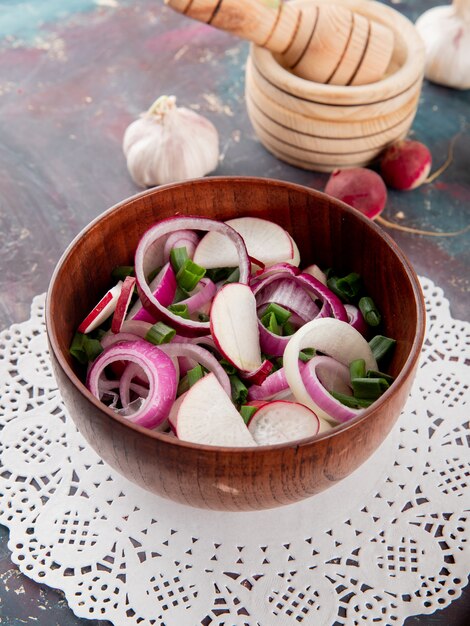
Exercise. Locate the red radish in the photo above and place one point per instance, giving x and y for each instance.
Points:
(359, 187)
(104, 309)
(259, 375)
(123, 304)
(405, 165)
(282, 422)
(234, 326)
(207, 416)
(265, 241)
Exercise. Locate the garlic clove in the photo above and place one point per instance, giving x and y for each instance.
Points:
(169, 144)
(445, 31)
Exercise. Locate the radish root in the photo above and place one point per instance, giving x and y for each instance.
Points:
(417, 231)
(450, 157)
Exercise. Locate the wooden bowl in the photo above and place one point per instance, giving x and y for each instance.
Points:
(328, 233)
(324, 126)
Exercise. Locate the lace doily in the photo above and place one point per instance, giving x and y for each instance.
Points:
(385, 543)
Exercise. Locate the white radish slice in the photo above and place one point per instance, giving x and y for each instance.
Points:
(282, 422)
(295, 254)
(122, 305)
(332, 337)
(234, 326)
(207, 416)
(104, 309)
(265, 241)
(316, 272)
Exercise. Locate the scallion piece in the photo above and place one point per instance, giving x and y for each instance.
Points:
(84, 348)
(228, 367)
(122, 271)
(369, 311)
(381, 346)
(288, 328)
(357, 369)
(239, 390)
(233, 277)
(369, 388)
(351, 401)
(160, 333)
(202, 317)
(179, 309)
(247, 412)
(374, 374)
(306, 354)
(350, 285)
(189, 275)
(220, 274)
(282, 314)
(269, 321)
(190, 378)
(180, 294)
(153, 274)
(178, 257)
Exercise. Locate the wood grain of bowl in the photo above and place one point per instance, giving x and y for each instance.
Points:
(328, 233)
(302, 121)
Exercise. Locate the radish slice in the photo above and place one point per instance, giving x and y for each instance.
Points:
(316, 272)
(104, 309)
(123, 304)
(257, 376)
(321, 375)
(332, 337)
(266, 241)
(234, 326)
(155, 237)
(282, 422)
(157, 367)
(207, 416)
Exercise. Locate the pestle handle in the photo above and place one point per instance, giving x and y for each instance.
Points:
(267, 23)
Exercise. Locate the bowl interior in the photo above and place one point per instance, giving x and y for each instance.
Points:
(327, 232)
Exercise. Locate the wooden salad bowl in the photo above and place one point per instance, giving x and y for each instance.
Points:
(329, 233)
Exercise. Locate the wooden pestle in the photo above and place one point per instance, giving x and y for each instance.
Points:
(324, 43)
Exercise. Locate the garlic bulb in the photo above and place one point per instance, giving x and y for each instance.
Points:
(445, 31)
(169, 143)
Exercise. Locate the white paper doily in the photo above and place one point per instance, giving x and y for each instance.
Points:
(385, 543)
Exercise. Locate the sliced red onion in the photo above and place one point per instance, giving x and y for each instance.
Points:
(272, 386)
(206, 290)
(132, 371)
(277, 268)
(316, 272)
(144, 256)
(258, 375)
(356, 319)
(158, 369)
(324, 294)
(271, 344)
(332, 337)
(200, 355)
(286, 292)
(163, 288)
(181, 239)
(136, 327)
(111, 339)
(323, 374)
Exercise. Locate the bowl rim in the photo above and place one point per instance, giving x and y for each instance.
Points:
(164, 438)
(404, 78)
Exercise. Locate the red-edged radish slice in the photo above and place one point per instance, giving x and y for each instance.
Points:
(148, 248)
(234, 326)
(282, 422)
(123, 304)
(316, 272)
(265, 241)
(332, 337)
(207, 416)
(104, 309)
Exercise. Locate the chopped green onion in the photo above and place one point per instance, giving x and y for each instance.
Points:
(247, 412)
(84, 348)
(229, 368)
(350, 285)
(122, 271)
(189, 275)
(160, 333)
(233, 277)
(219, 274)
(381, 346)
(306, 354)
(269, 321)
(288, 328)
(202, 317)
(351, 401)
(374, 374)
(239, 390)
(153, 274)
(191, 377)
(282, 314)
(178, 257)
(357, 369)
(332, 284)
(369, 311)
(369, 388)
(179, 309)
(180, 294)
